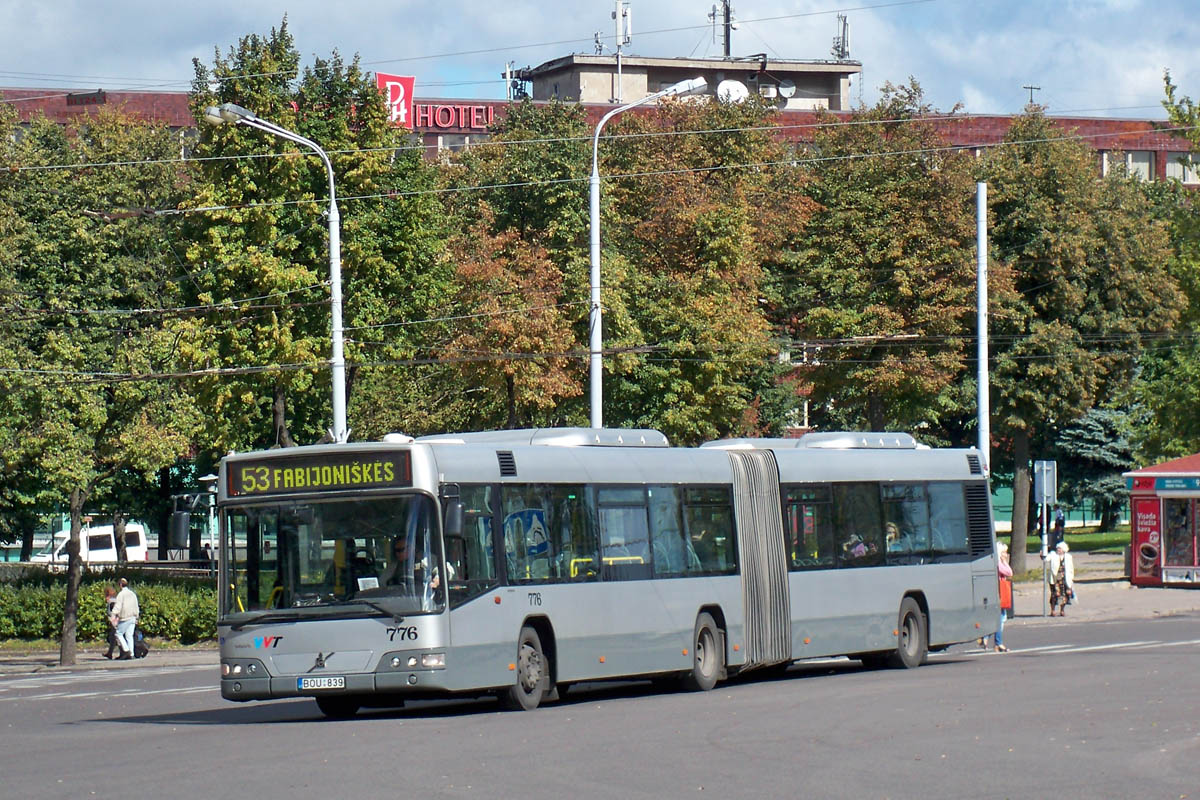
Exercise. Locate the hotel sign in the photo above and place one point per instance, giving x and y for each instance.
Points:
(397, 92)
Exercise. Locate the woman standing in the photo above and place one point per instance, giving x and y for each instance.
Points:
(1004, 575)
(1062, 578)
(110, 597)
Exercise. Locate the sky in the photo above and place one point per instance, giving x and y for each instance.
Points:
(1089, 57)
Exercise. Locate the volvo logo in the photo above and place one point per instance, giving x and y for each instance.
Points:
(320, 662)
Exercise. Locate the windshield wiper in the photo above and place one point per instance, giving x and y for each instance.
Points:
(381, 609)
(313, 612)
(271, 616)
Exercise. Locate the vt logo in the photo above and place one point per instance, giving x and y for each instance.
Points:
(261, 642)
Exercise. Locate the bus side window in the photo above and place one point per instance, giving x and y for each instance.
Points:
(906, 525)
(948, 521)
(708, 516)
(526, 537)
(572, 539)
(624, 533)
(671, 553)
(808, 526)
(858, 524)
(473, 558)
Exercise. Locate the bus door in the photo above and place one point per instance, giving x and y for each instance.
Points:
(763, 557)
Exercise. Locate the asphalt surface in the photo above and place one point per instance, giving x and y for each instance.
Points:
(1099, 704)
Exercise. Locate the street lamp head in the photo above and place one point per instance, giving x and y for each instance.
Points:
(228, 112)
(212, 115)
(690, 86)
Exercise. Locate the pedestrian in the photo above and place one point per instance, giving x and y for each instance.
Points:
(110, 597)
(1004, 575)
(1062, 577)
(125, 616)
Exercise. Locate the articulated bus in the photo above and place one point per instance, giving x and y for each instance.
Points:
(517, 563)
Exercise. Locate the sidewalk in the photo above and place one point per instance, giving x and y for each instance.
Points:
(1102, 592)
(47, 661)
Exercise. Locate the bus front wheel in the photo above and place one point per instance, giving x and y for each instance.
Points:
(533, 673)
(912, 640)
(708, 655)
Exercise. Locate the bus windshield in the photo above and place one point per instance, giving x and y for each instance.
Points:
(381, 554)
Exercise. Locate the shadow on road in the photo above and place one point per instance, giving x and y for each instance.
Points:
(304, 710)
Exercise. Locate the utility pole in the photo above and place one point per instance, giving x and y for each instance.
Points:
(623, 21)
(725, 14)
(1032, 89)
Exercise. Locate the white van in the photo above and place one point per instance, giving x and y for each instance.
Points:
(96, 545)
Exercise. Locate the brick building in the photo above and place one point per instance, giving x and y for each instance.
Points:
(1149, 148)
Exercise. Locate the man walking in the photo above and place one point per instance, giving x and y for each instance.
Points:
(125, 611)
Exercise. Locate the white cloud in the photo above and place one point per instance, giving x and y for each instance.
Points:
(1084, 53)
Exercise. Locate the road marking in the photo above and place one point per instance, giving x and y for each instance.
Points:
(1113, 646)
(47, 678)
(42, 680)
(110, 695)
(1170, 644)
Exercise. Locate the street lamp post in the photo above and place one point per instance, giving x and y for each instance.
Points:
(228, 112)
(596, 364)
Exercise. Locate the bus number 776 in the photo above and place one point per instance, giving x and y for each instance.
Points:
(408, 632)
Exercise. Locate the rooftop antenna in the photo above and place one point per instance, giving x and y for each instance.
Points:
(623, 22)
(599, 45)
(841, 42)
(723, 13)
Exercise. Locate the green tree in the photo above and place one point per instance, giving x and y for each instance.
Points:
(1092, 453)
(878, 289)
(262, 251)
(1090, 268)
(1166, 393)
(92, 322)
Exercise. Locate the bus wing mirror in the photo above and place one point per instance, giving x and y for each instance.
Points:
(181, 523)
(454, 519)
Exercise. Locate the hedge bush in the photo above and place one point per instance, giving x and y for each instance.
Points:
(182, 609)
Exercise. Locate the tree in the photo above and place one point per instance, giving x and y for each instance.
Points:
(1166, 393)
(700, 199)
(261, 253)
(93, 319)
(1092, 454)
(1089, 265)
(518, 206)
(878, 289)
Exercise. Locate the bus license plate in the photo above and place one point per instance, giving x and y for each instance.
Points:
(337, 682)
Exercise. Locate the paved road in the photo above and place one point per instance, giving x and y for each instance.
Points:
(1078, 709)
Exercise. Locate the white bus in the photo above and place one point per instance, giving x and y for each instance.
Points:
(520, 562)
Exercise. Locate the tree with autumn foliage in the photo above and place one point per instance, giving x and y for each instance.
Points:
(699, 199)
(518, 206)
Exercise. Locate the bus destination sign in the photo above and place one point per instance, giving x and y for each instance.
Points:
(325, 473)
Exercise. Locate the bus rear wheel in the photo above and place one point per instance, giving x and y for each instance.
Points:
(912, 641)
(708, 655)
(533, 672)
(342, 706)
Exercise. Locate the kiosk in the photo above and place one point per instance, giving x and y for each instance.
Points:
(1164, 502)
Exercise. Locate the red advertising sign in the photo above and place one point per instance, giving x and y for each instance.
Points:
(1147, 540)
(398, 94)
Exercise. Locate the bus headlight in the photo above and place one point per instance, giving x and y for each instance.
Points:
(433, 659)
